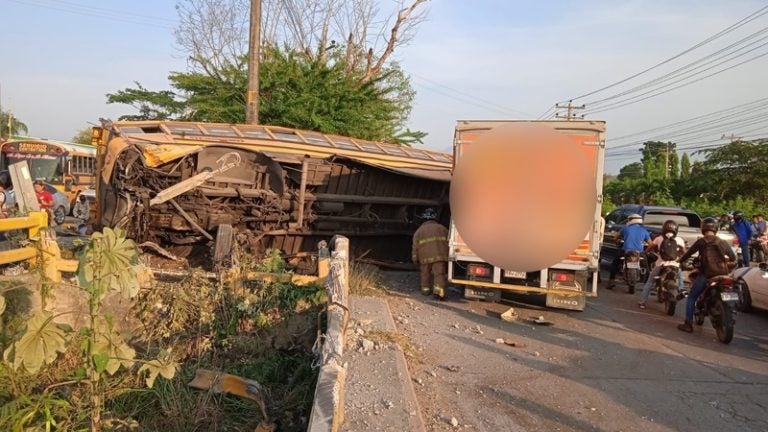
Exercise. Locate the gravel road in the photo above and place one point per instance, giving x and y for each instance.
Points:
(612, 367)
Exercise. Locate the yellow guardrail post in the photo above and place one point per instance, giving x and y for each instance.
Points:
(36, 223)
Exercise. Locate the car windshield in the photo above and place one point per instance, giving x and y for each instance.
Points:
(685, 219)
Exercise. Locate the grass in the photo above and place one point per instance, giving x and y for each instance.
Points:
(394, 338)
(365, 280)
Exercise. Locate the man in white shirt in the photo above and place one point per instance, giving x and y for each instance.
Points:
(669, 230)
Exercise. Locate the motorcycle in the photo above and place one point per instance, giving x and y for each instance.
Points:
(667, 287)
(634, 268)
(718, 302)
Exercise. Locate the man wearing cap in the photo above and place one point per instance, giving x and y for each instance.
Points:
(430, 252)
(636, 238)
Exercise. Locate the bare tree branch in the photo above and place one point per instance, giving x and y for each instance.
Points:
(402, 28)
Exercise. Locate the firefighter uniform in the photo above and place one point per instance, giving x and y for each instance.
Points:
(430, 251)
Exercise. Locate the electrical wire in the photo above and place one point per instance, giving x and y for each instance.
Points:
(471, 96)
(117, 16)
(634, 99)
(749, 18)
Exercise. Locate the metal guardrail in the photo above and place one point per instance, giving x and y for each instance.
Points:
(328, 406)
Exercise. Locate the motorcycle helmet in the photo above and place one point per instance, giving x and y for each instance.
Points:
(669, 226)
(738, 215)
(709, 224)
(429, 214)
(634, 218)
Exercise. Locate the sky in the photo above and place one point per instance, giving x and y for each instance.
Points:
(482, 59)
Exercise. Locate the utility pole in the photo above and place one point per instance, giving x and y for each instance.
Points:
(666, 162)
(254, 45)
(570, 107)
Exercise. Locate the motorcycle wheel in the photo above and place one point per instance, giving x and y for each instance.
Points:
(669, 306)
(745, 298)
(698, 317)
(631, 277)
(660, 297)
(722, 321)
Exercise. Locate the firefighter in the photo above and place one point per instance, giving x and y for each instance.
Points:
(430, 251)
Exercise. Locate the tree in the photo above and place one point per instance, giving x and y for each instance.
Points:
(296, 92)
(659, 160)
(685, 166)
(83, 136)
(17, 127)
(631, 171)
(308, 80)
(738, 169)
(214, 33)
(152, 105)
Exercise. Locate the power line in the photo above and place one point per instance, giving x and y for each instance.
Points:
(117, 16)
(471, 96)
(716, 123)
(745, 106)
(465, 100)
(687, 68)
(751, 17)
(685, 84)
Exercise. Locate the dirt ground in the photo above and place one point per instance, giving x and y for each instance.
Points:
(612, 367)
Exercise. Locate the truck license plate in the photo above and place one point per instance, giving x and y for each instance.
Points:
(729, 296)
(633, 264)
(514, 274)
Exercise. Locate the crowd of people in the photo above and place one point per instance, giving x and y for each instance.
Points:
(45, 200)
(716, 256)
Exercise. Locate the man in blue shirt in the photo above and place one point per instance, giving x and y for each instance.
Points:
(635, 237)
(744, 231)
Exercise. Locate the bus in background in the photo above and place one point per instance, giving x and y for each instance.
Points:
(69, 167)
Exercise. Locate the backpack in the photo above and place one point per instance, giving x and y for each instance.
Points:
(668, 249)
(713, 262)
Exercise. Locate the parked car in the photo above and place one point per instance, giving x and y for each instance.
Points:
(752, 286)
(60, 202)
(688, 222)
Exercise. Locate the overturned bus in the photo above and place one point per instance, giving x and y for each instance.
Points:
(182, 183)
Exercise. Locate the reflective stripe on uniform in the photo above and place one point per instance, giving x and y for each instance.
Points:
(432, 260)
(431, 239)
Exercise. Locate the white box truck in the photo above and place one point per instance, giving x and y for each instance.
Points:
(567, 283)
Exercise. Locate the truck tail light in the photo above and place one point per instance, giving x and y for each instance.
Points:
(562, 276)
(478, 270)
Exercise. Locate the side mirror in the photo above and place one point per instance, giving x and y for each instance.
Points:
(609, 224)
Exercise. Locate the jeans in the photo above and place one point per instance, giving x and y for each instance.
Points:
(744, 253)
(651, 282)
(698, 287)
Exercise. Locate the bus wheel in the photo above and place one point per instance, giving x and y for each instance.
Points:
(59, 214)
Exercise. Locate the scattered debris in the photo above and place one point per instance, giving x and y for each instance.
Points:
(432, 374)
(454, 422)
(453, 368)
(509, 315)
(387, 404)
(455, 325)
(366, 345)
(510, 342)
(540, 320)
(477, 330)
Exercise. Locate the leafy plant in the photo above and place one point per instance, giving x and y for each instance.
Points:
(109, 262)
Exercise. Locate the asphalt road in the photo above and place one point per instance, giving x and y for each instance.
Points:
(612, 367)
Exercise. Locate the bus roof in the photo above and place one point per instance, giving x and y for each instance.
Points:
(68, 146)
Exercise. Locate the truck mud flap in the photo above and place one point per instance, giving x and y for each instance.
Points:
(488, 294)
(572, 301)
